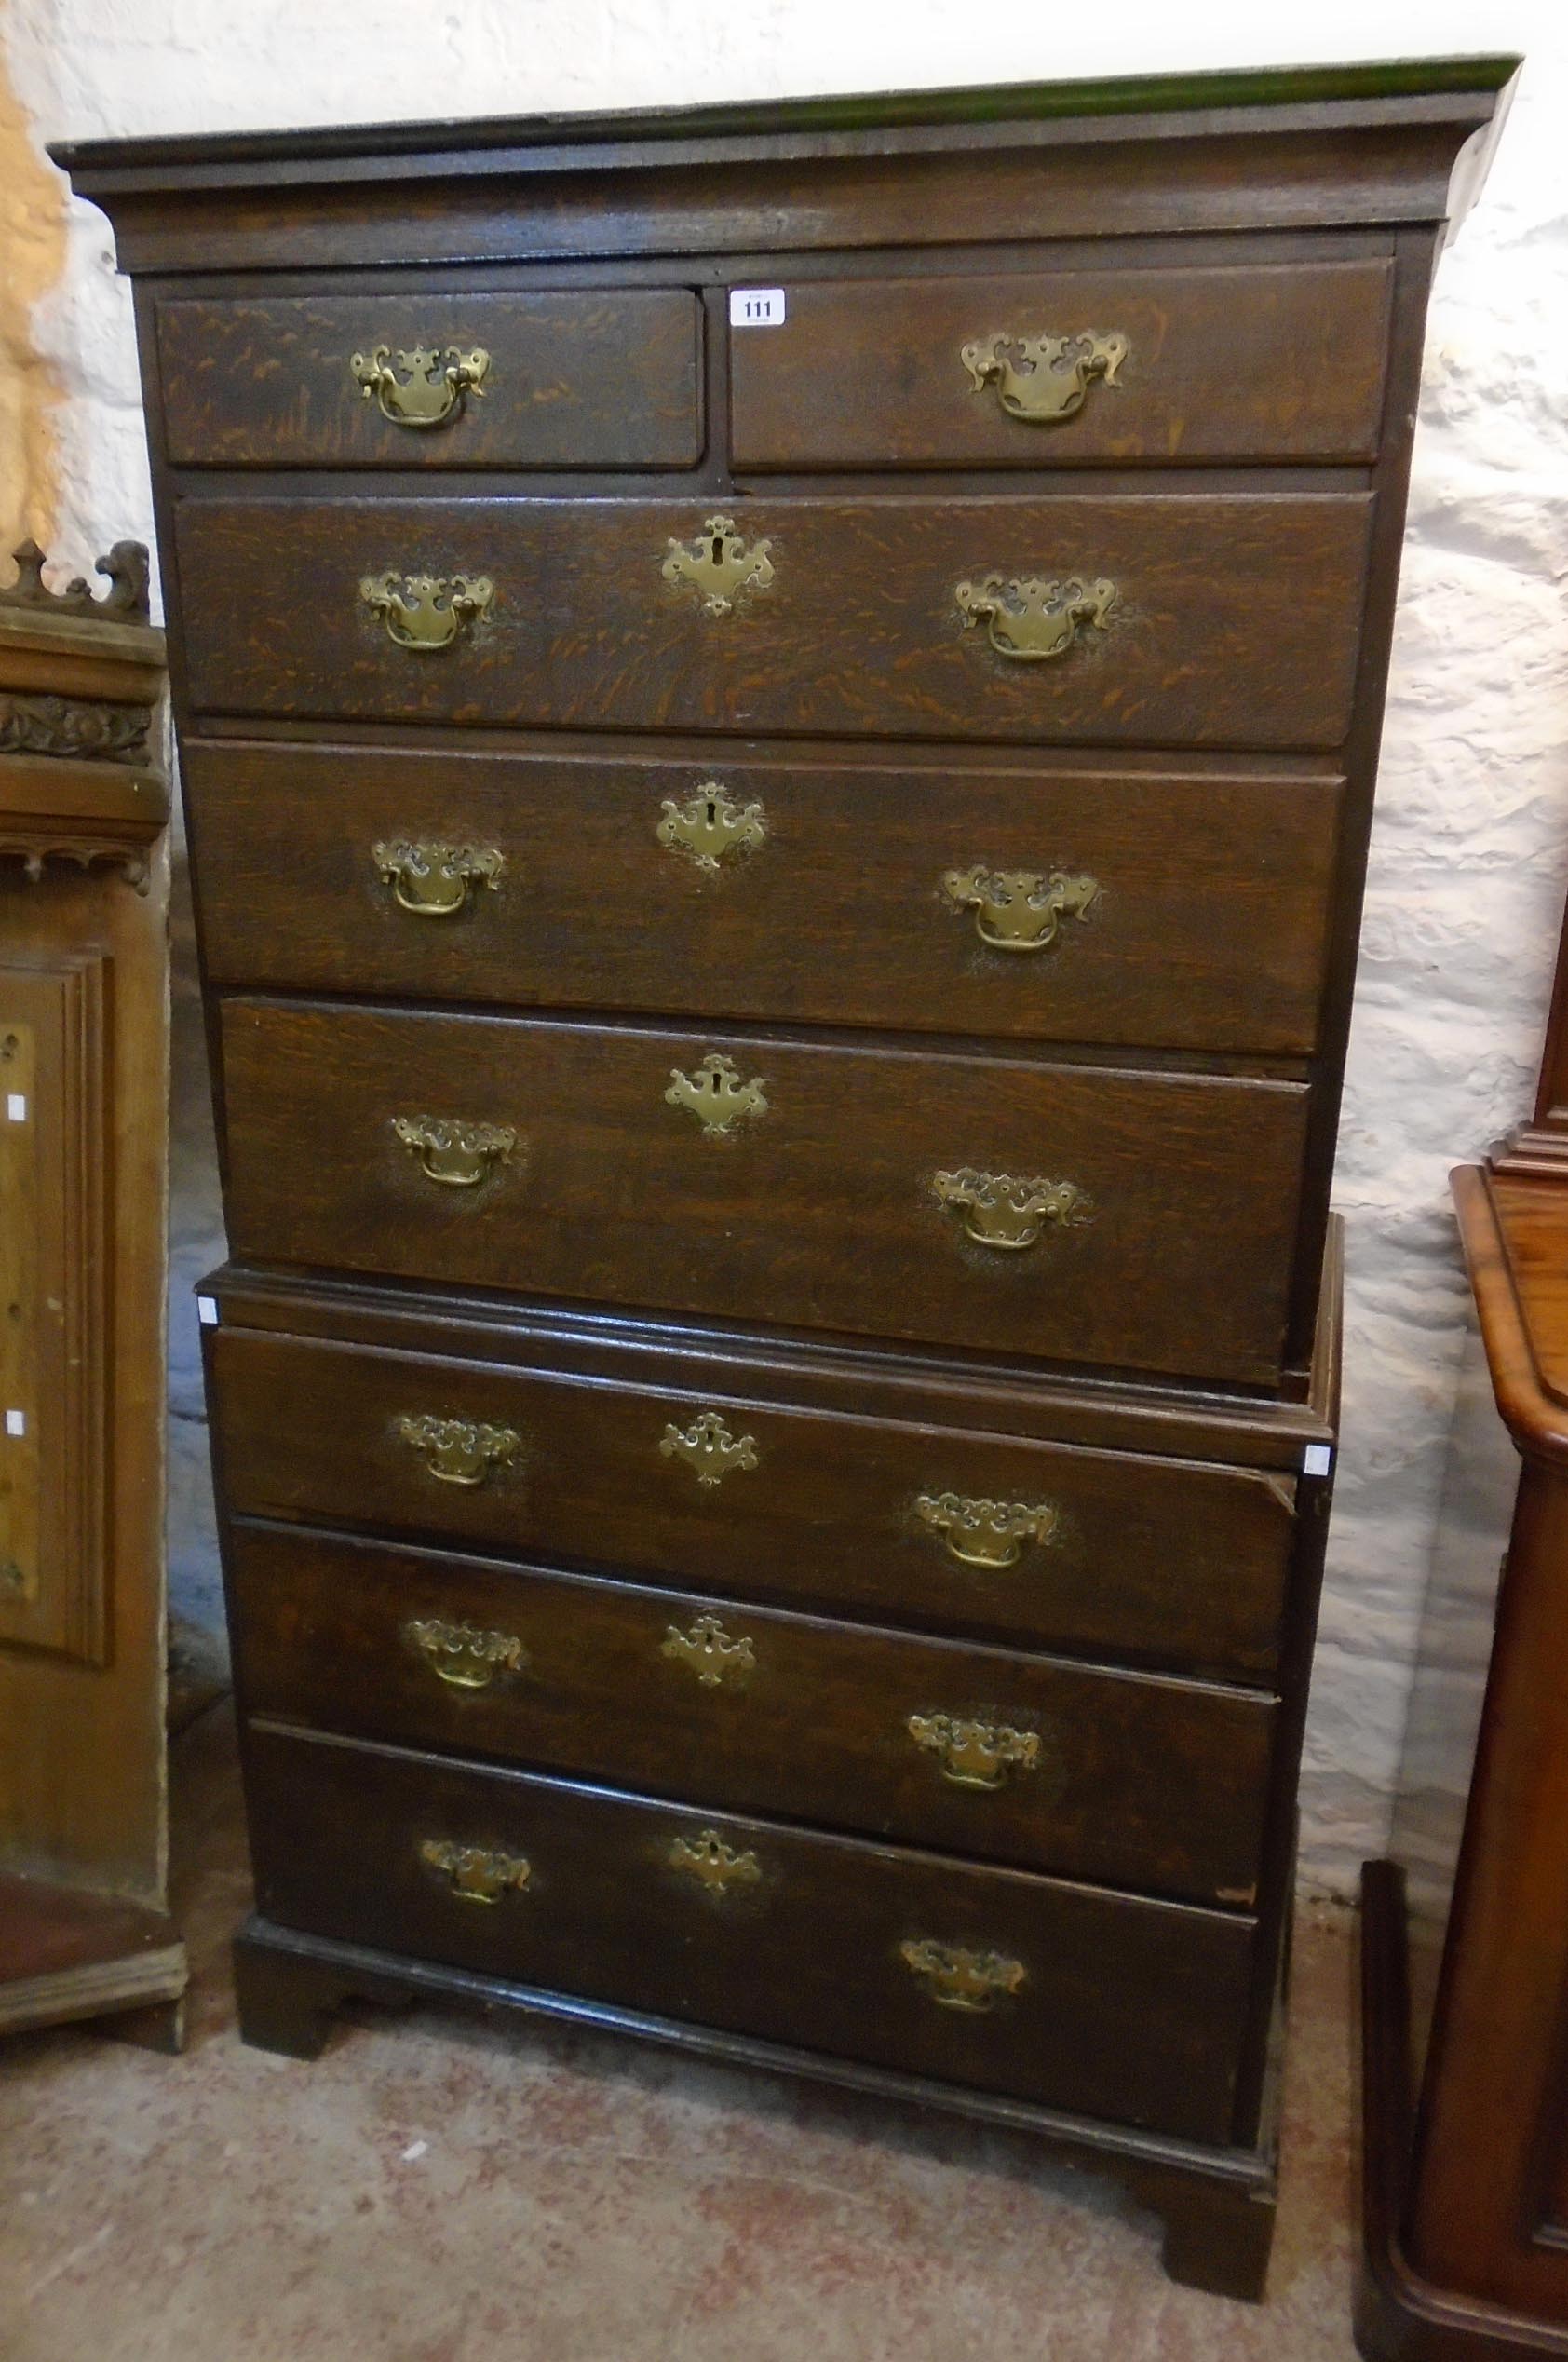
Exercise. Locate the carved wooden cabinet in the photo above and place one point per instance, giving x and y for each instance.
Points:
(84, 1070)
(780, 709)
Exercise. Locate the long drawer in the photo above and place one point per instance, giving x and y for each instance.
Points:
(434, 377)
(1200, 618)
(1057, 368)
(1131, 1779)
(1122, 1219)
(1175, 908)
(986, 1536)
(1095, 2002)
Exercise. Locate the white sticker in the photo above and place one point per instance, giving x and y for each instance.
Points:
(1317, 1459)
(16, 1422)
(207, 1310)
(757, 307)
(15, 1107)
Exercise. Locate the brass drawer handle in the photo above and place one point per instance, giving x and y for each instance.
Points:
(458, 1155)
(957, 1978)
(712, 1863)
(1027, 618)
(432, 881)
(976, 1755)
(476, 1874)
(424, 612)
(458, 1451)
(462, 1655)
(1018, 909)
(1043, 379)
(718, 565)
(1000, 1211)
(710, 826)
(710, 1652)
(435, 380)
(708, 1446)
(716, 1096)
(988, 1533)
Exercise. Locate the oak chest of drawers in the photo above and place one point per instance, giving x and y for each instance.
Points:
(779, 710)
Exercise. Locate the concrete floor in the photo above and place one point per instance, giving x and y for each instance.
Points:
(435, 2191)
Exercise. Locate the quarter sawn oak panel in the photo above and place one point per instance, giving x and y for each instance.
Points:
(1279, 363)
(819, 1213)
(1207, 931)
(1235, 625)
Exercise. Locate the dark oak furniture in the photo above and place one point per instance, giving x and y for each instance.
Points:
(1465, 2096)
(780, 709)
(85, 1931)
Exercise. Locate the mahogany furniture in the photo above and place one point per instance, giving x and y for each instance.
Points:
(1465, 2110)
(779, 708)
(84, 1060)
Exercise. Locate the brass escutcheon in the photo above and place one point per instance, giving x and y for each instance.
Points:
(424, 612)
(958, 1978)
(458, 1451)
(998, 1211)
(975, 1754)
(711, 1652)
(475, 1873)
(718, 566)
(1043, 379)
(1027, 618)
(708, 1446)
(717, 1865)
(716, 1096)
(458, 1155)
(710, 826)
(462, 1655)
(432, 386)
(1018, 909)
(432, 881)
(988, 1533)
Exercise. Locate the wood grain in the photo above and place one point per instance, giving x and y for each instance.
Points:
(1236, 621)
(819, 1214)
(576, 378)
(1208, 931)
(1128, 2008)
(1281, 363)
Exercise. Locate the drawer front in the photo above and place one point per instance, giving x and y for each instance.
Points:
(1050, 369)
(1178, 910)
(1128, 1779)
(1231, 620)
(1123, 1220)
(608, 378)
(986, 1536)
(1100, 2003)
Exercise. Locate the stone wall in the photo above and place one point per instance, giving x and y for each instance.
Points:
(1470, 855)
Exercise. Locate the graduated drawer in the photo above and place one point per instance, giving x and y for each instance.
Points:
(605, 377)
(1119, 1218)
(1231, 619)
(1132, 1779)
(1177, 909)
(993, 1537)
(1053, 368)
(1102, 2004)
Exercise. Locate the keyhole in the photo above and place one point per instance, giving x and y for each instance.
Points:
(711, 808)
(718, 549)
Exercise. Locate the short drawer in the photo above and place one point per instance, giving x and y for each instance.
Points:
(1053, 368)
(1096, 2003)
(1116, 1218)
(575, 379)
(1209, 619)
(1172, 908)
(992, 1537)
(1131, 1779)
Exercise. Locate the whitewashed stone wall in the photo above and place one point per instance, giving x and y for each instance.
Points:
(1471, 857)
